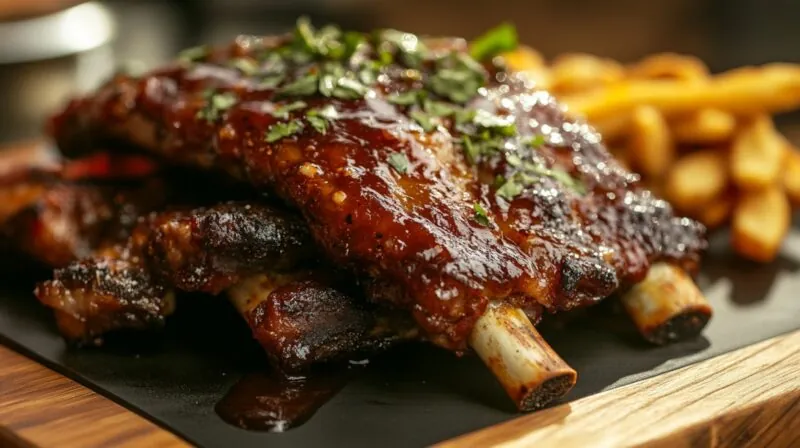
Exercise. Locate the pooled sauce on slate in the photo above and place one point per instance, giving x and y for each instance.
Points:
(274, 402)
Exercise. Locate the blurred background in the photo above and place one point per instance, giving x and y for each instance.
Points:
(52, 48)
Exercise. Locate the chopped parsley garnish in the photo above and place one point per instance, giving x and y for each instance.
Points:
(536, 142)
(457, 78)
(320, 119)
(497, 40)
(303, 86)
(247, 66)
(318, 123)
(424, 119)
(481, 216)
(282, 111)
(399, 162)
(194, 54)
(280, 130)
(439, 108)
(408, 45)
(270, 81)
(510, 189)
(216, 103)
(404, 98)
(499, 125)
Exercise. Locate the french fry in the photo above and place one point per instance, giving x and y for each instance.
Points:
(697, 179)
(767, 89)
(613, 128)
(761, 220)
(669, 66)
(580, 71)
(716, 212)
(704, 127)
(757, 155)
(651, 147)
(531, 63)
(791, 176)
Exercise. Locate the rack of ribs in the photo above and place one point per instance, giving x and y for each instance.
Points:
(449, 187)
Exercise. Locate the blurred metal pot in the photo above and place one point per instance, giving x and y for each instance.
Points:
(46, 58)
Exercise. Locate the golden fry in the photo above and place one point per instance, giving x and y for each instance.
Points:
(580, 71)
(523, 58)
(531, 63)
(704, 127)
(651, 146)
(761, 220)
(697, 179)
(669, 66)
(613, 128)
(791, 176)
(716, 212)
(757, 155)
(767, 89)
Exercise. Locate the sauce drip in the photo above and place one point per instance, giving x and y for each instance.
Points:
(274, 402)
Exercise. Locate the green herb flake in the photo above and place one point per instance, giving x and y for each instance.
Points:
(247, 66)
(302, 86)
(513, 160)
(407, 98)
(439, 108)
(280, 130)
(270, 82)
(349, 89)
(328, 111)
(318, 123)
(501, 125)
(510, 189)
(470, 150)
(481, 216)
(194, 54)
(216, 103)
(399, 162)
(423, 119)
(497, 40)
(536, 141)
(283, 110)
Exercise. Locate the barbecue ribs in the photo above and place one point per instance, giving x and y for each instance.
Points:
(448, 182)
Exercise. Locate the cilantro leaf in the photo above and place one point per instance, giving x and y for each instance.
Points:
(510, 189)
(318, 123)
(423, 119)
(283, 110)
(481, 216)
(399, 162)
(194, 54)
(497, 40)
(280, 130)
(302, 86)
(404, 98)
(216, 103)
(247, 66)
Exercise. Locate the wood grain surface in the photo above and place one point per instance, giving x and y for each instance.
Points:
(39, 407)
(746, 398)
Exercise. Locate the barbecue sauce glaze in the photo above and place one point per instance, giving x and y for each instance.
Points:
(447, 181)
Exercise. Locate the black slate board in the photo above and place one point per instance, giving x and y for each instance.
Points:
(412, 396)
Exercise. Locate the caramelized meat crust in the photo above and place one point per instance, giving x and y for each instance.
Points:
(519, 203)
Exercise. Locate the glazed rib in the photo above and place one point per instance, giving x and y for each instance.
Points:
(438, 229)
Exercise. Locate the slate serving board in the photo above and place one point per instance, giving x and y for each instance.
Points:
(414, 395)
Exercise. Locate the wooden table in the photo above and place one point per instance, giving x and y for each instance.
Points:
(750, 397)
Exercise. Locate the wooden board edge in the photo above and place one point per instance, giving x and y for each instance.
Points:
(40, 407)
(748, 397)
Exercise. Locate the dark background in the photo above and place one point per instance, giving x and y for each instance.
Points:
(725, 33)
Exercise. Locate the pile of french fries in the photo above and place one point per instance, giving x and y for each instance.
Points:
(706, 143)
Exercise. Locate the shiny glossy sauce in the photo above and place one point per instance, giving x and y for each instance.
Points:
(273, 402)
(435, 228)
